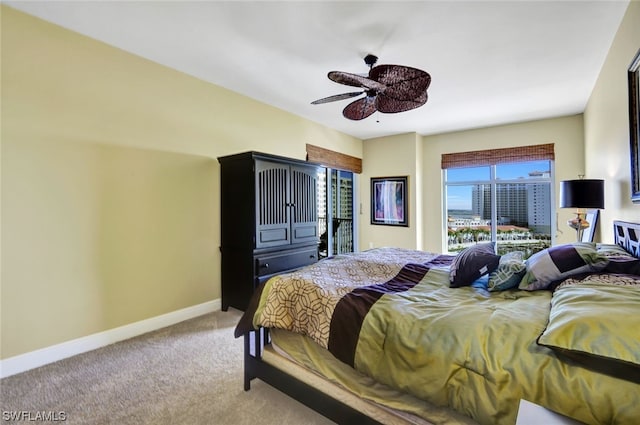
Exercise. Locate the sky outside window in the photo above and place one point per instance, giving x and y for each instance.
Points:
(459, 197)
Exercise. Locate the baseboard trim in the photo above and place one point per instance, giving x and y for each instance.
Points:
(41, 357)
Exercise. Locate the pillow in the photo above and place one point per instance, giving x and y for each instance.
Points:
(559, 262)
(509, 273)
(472, 263)
(620, 261)
(612, 250)
(623, 265)
(480, 286)
(594, 322)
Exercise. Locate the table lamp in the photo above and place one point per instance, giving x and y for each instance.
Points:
(581, 194)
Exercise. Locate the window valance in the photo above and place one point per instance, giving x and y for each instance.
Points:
(498, 156)
(333, 159)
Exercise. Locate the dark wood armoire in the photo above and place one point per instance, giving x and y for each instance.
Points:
(269, 220)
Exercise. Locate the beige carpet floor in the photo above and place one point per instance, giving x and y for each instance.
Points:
(189, 373)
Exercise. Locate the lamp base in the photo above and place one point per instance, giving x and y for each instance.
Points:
(579, 223)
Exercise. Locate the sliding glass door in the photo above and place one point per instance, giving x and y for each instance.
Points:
(336, 212)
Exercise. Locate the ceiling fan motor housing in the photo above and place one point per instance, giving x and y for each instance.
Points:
(370, 60)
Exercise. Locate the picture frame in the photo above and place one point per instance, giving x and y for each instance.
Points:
(634, 126)
(389, 203)
(592, 218)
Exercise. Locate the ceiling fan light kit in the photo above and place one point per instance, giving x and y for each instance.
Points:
(387, 88)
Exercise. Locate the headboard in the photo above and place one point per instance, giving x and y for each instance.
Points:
(627, 235)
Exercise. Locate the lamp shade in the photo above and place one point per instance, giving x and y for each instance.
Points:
(584, 193)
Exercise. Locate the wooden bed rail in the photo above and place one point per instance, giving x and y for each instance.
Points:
(327, 406)
(254, 342)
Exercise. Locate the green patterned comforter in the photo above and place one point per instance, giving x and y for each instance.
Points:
(391, 315)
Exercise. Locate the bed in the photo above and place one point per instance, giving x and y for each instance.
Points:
(402, 336)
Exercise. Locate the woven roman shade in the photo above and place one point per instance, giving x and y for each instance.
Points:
(333, 159)
(498, 156)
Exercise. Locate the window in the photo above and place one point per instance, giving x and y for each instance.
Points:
(509, 202)
(336, 212)
(336, 200)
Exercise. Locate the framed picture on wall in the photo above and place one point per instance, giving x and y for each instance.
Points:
(389, 204)
(634, 126)
(592, 218)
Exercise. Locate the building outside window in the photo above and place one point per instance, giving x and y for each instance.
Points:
(509, 203)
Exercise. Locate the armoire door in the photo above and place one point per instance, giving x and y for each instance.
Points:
(304, 207)
(272, 204)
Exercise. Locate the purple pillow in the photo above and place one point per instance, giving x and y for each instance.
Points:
(623, 265)
(472, 263)
(620, 261)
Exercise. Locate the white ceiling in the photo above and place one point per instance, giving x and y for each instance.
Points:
(491, 62)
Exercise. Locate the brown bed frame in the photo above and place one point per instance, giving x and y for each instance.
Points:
(626, 234)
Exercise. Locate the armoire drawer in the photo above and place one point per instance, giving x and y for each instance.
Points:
(279, 262)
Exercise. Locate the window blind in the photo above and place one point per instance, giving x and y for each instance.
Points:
(333, 159)
(498, 156)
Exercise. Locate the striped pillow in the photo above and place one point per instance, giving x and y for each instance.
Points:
(559, 262)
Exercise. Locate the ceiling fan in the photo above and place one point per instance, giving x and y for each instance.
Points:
(387, 88)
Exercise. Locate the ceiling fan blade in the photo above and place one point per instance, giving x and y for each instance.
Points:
(355, 80)
(360, 109)
(392, 74)
(390, 105)
(337, 97)
(402, 82)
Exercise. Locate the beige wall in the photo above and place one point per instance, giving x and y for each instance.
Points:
(391, 156)
(110, 182)
(566, 133)
(607, 126)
